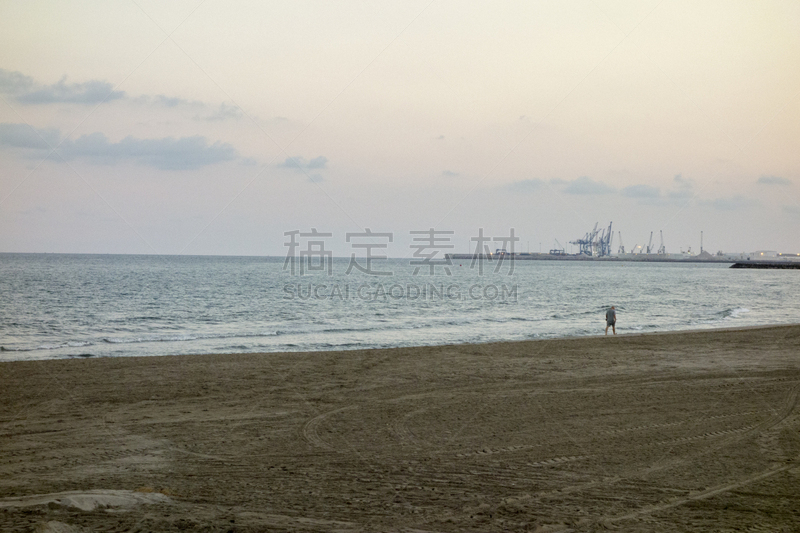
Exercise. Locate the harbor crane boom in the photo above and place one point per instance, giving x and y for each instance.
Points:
(596, 243)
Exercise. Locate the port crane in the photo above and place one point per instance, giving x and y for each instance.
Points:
(621, 249)
(604, 242)
(661, 249)
(596, 243)
(585, 245)
(559, 250)
(650, 244)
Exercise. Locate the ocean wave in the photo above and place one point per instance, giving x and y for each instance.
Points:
(349, 330)
(325, 345)
(717, 317)
(79, 344)
(736, 312)
(137, 340)
(189, 337)
(730, 313)
(68, 344)
(393, 325)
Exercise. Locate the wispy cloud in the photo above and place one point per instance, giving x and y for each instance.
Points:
(185, 153)
(773, 180)
(15, 82)
(584, 186)
(300, 163)
(641, 191)
(169, 101)
(26, 91)
(683, 183)
(224, 112)
(732, 203)
(680, 194)
(24, 136)
(168, 153)
(525, 186)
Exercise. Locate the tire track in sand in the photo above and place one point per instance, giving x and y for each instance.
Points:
(733, 436)
(731, 485)
(311, 428)
(708, 493)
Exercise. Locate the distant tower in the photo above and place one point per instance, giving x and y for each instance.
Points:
(701, 241)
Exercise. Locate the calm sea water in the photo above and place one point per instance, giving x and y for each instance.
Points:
(61, 306)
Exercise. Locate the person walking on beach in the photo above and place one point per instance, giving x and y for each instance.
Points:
(611, 320)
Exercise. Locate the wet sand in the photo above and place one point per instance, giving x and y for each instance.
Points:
(694, 431)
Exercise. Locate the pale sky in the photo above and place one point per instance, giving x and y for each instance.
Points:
(208, 127)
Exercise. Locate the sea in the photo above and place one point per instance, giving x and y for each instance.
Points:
(57, 306)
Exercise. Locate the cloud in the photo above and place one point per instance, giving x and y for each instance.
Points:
(791, 210)
(584, 185)
(773, 180)
(683, 183)
(206, 112)
(25, 90)
(24, 136)
(450, 174)
(14, 82)
(166, 154)
(641, 191)
(684, 189)
(679, 195)
(732, 203)
(318, 162)
(223, 112)
(90, 92)
(169, 101)
(302, 164)
(524, 186)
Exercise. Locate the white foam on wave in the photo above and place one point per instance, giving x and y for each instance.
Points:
(79, 344)
(185, 338)
(736, 312)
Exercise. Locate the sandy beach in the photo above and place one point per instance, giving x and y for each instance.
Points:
(694, 431)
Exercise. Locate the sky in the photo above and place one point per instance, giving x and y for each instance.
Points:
(209, 127)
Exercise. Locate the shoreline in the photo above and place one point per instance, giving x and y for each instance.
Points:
(419, 346)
